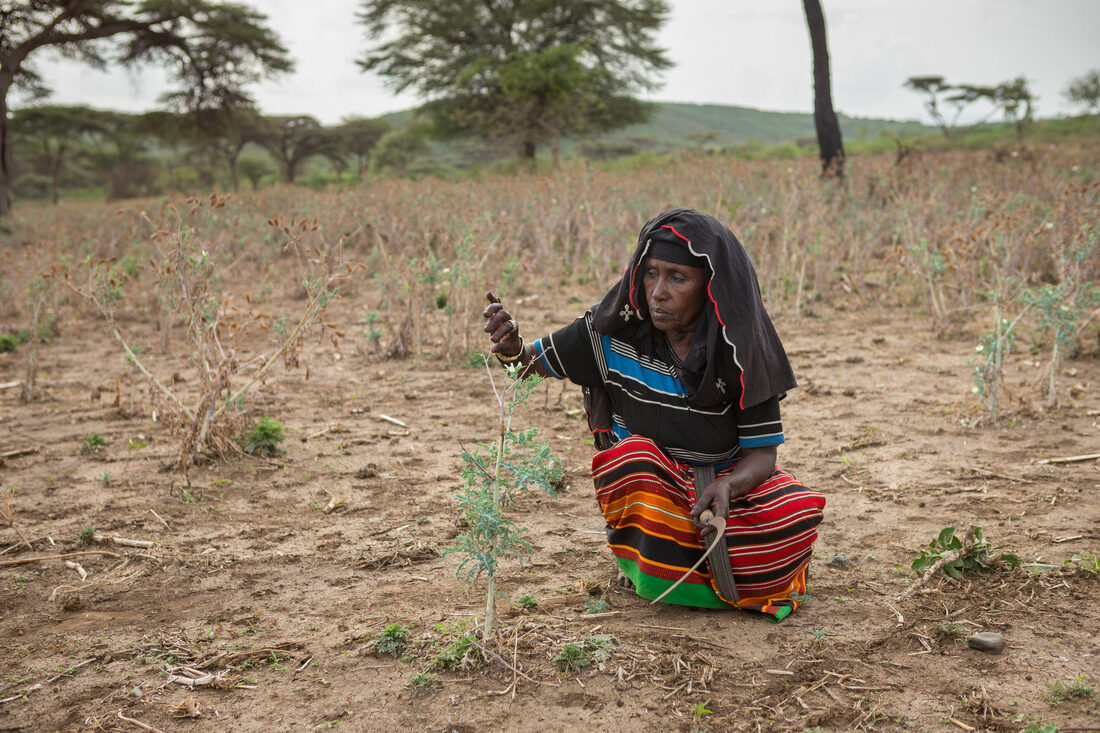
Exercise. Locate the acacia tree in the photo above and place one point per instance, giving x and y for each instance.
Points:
(1085, 91)
(1016, 102)
(357, 137)
(479, 64)
(53, 136)
(829, 140)
(294, 138)
(213, 48)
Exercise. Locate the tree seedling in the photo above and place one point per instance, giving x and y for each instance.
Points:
(264, 439)
(492, 476)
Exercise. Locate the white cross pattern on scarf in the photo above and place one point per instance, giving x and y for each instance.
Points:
(721, 384)
(627, 312)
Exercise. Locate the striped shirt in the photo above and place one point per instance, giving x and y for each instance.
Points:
(648, 398)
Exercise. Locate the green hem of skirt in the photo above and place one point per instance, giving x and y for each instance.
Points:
(686, 594)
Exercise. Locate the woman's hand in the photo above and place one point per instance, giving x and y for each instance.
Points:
(755, 467)
(502, 328)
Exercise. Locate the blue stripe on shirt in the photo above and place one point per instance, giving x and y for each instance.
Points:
(540, 354)
(762, 442)
(632, 369)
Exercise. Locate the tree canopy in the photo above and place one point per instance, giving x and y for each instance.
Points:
(520, 70)
(214, 50)
(1085, 91)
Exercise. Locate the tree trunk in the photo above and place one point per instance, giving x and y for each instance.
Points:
(6, 198)
(828, 129)
(526, 155)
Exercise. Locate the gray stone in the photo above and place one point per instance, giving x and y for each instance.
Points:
(839, 562)
(987, 641)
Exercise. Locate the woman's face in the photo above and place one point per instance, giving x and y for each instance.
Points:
(675, 295)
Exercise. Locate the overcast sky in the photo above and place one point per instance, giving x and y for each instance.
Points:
(754, 54)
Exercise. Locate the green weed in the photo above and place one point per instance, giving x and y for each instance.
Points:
(393, 640)
(977, 558)
(1075, 690)
(264, 438)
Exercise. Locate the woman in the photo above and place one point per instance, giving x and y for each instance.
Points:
(683, 372)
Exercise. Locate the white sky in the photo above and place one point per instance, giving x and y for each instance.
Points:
(754, 54)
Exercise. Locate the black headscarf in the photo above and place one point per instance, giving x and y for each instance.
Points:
(734, 339)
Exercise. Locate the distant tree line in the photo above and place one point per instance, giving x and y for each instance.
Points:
(129, 155)
(1013, 99)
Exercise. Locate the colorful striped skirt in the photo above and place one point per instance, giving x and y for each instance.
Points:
(646, 497)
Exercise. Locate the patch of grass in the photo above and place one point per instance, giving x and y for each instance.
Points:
(527, 601)
(1075, 690)
(93, 443)
(595, 605)
(264, 439)
(393, 640)
(8, 342)
(1085, 563)
(954, 630)
(86, 536)
(423, 683)
(584, 652)
(459, 654)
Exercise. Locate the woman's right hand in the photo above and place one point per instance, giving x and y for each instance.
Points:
(502, 328)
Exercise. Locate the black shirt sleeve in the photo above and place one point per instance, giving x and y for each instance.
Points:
(571, 353)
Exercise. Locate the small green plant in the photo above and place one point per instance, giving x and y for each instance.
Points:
(956, 631)
(86, 536)
(106, 479)
(136, 445)
(976, 557)
(699, 710)
(1041, 728)
(93, 443)
(1075, 690)
(818, 636)
(492, 476)
(423, 683)
(527, 601)
(393, 640)
(8, 342)
(1086, 563)
(264, 439)
(592, 604)
(459, 654)
(584, 652)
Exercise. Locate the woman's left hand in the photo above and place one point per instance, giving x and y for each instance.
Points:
(756, 465)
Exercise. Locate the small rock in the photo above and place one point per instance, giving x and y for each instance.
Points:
(136, 692)
(987, 641)
(838, 562)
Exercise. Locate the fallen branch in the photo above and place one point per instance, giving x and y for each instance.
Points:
(968, 546)
(1069, 459)
(78, 568)
(121, 541)
(393, 420)
(29, 560)
(19, 452)
(10, 385)
(138, 723)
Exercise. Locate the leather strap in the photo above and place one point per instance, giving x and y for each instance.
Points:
(718, 560)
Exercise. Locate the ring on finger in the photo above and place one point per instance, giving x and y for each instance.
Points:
(514, 325)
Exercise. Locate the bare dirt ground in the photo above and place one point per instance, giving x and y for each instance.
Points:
(252, 580)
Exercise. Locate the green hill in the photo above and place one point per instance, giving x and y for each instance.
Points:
(677, 125)
(687, 125)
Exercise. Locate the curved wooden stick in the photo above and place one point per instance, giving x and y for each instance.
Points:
(719, 524)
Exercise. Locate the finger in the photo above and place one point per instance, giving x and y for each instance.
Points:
(492, 297)
(492, 309)
(507, 328)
